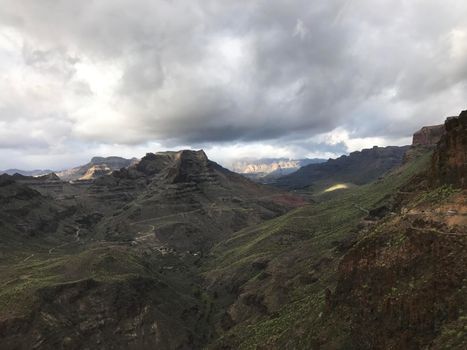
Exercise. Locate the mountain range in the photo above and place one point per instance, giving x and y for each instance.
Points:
(97, 167)
(357, 168)
(267, 169)
(174, 251)
(37, 172)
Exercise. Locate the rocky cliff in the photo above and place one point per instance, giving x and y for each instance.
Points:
(428, 135)
(450, 158)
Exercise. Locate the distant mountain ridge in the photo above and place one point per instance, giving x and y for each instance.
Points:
(359, 168)
(268, 169)
(36, 172)
(97, 167)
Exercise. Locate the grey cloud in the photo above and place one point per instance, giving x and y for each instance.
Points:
(55, 62)
(304, 67)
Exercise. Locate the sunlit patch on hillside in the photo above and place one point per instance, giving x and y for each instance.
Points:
(336, 187)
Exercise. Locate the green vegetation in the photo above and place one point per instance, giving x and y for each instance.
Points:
(275, 278)
(309, 237)
(437, 195)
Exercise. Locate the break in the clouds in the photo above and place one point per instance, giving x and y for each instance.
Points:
(270, 78)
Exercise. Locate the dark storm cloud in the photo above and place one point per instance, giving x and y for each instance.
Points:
(207, 72)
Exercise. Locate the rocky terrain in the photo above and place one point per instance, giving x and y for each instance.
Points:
(357, 168)
(114, 262)
(380, 266)
(209, 202)
(450, 158)
(177, 252)
(428, 135)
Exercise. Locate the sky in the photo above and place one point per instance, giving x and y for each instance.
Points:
(244, 78)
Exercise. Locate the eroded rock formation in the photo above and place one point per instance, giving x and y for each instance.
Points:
(428, 135)
(450, 158)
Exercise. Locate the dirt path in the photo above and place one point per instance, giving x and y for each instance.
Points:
(77, 239)
(29, 257)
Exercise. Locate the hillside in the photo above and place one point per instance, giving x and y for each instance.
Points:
(380, 266)
(116, 263)
(357, 168)
(187, 200)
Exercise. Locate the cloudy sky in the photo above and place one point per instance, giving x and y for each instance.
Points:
(238, 78)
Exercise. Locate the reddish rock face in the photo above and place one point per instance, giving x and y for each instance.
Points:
(428, 135)
(449, 165)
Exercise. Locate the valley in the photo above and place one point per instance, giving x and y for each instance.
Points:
(176, 252)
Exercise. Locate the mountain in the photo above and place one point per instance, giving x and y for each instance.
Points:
(380, 266)
(26, 172)
(23, 211)
(176, 252)
(266, 170)
(34, 179)
(188, 201)
(357, 168)
(98, 166)
(115, 263)
(428, 135)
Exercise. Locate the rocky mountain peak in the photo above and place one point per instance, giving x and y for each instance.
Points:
(174, 166)
(449, 163)
(428, 135)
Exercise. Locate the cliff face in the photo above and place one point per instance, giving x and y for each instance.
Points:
(449, 164)
(428, 135)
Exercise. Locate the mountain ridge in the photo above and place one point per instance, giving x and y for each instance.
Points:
(358, 167)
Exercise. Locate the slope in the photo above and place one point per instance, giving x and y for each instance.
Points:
(381, 266)
(184, 200)
(273, 279)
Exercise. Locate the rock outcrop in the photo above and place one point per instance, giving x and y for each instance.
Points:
(449, 164)
(428, 135)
